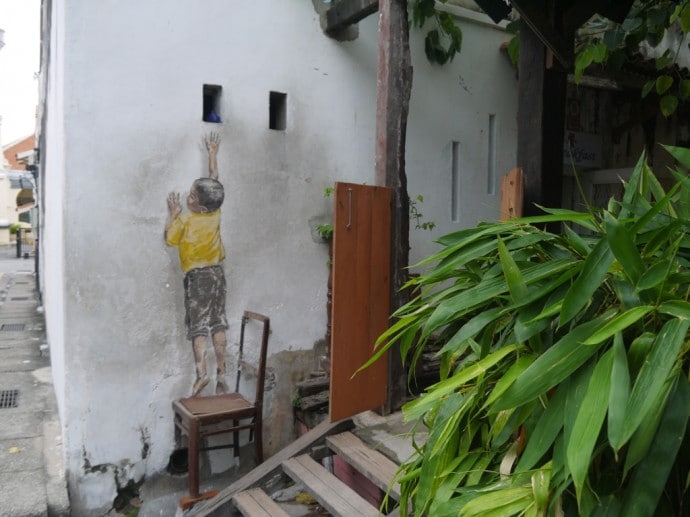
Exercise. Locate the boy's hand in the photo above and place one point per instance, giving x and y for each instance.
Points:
(212, 141)
(174, 206)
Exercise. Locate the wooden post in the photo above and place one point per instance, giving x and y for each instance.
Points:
(394, 83)
(541, 118)
(512, 185)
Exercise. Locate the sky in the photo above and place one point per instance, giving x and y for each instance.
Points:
(19, 61)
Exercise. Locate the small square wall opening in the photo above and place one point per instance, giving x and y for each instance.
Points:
(211, 104)
(277, 111)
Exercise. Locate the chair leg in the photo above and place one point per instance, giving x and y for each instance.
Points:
(236, 439)
(193, 458)
(258, 445)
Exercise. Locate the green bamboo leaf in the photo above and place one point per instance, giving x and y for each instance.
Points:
(651, 475)
(619, 393)
(631, 188)
(624, 248)
(554, 365)
(541, 480)
(576, 241)
(516, 369)
(676, 308)
(655, 275)
(545, 431)
(619, 323)
(513, 276)
(680, 154)
(416, 408)
(638, 352)
(588, 423)
(593, 273)
(642, 439)
(488, 290)
(648, 389)
(470, 329)
(652, 183)
(499, 502)
(441, 448)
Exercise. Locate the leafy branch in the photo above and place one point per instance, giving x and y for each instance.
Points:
(442, 41)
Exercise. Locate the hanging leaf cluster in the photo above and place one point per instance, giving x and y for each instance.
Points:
(444, 39)
(563, 384)
(647, 26)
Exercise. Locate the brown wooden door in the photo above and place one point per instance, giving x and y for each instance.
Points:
(361, 297)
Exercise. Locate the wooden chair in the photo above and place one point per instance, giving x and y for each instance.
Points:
(199, 417)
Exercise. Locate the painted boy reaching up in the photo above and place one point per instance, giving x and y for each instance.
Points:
(197, 236)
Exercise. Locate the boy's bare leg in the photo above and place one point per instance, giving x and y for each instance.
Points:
(219, 345)
(199, 346)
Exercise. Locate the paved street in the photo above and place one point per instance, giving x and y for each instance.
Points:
(31, 469)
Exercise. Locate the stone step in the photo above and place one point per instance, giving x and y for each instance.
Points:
(372, 464)
(334, 495)
(257, 503)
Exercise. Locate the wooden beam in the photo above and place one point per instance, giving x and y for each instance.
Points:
(394, 84)
(348, 12)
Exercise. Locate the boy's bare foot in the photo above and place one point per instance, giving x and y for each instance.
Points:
(199, 385)
(221, 387)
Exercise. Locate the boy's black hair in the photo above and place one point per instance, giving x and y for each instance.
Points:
(211, 193)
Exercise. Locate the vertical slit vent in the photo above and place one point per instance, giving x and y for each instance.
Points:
(455, 180)
(491, 162)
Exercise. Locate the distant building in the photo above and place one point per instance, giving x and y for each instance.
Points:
(19, 154)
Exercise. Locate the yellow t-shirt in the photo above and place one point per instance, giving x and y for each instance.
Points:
(197, 236)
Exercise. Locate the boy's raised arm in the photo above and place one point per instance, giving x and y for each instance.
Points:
(212, 142)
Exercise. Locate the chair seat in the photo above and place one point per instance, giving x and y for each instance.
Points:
(215, 404)
(216, 408)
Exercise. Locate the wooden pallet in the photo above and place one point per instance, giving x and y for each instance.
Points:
(334, 495)
(299, 463)
(372, 464)
(257, 503)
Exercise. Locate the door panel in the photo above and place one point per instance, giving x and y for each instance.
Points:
(361, 297)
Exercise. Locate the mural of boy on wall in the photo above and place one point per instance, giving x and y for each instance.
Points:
(196, 234)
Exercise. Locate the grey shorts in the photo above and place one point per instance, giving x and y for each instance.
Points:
(204, 301)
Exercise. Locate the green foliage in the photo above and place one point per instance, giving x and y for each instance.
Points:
(325, 231)
(564, 366)
(417, 216)
(444, 39)
(610, 45)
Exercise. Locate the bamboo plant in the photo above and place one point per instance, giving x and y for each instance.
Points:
(563, 384)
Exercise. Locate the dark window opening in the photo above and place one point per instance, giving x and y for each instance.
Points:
(277, 111)
(211, 108)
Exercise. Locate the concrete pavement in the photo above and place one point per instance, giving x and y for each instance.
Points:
(32, 474)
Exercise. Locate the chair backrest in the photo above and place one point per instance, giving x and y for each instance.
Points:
(260, 368)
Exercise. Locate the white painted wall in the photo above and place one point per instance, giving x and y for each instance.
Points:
(124, 128)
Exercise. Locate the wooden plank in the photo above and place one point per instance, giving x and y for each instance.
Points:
(512, 186)
(348, 12)
(257, 503)
(329, 491)
(273, 464)
(375, 466)
(361, 297)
